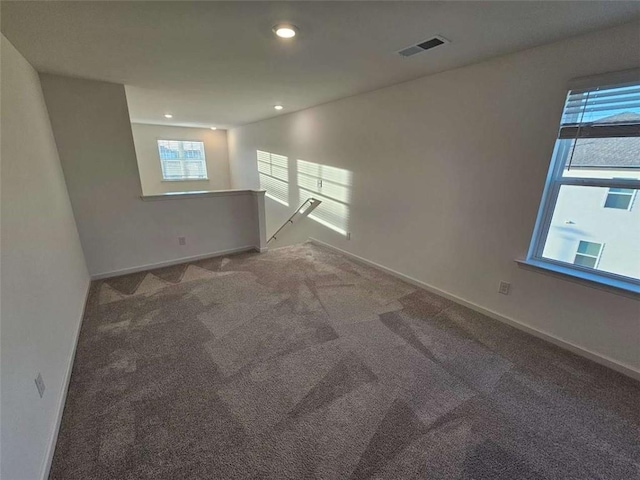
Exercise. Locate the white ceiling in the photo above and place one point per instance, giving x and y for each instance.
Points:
(218, 63)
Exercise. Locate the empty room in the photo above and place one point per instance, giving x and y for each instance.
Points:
(333, 240)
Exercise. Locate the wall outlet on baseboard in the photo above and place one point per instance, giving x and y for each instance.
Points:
(182, 240)
(504, 288)
(40, 384)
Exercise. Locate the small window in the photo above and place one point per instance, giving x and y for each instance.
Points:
(594, 176)
(619, 198)
(588, 254)
(182, 160)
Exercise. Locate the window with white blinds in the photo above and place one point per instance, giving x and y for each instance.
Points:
(591, 187)
(182, 160)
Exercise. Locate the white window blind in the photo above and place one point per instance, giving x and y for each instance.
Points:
(602, 113)
(182, 160)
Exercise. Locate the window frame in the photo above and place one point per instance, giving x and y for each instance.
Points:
(554, 181)
(182, 160)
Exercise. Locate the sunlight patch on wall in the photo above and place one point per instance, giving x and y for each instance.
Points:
(273, 170)
(332, 185)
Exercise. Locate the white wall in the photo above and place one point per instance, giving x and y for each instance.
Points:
(145, 138)
(119, 231)
(447, 176)
(44, 277)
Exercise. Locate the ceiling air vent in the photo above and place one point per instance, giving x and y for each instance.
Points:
(422, 46)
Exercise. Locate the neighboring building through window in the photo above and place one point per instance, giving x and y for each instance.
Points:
(592, 184)
(182, 160)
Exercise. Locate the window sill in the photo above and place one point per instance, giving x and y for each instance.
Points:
(198, 194)
(185, 180)
(619, 287)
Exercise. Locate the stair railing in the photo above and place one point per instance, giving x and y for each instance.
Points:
(303, 210)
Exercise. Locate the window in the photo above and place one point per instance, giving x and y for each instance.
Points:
(591, 186)
(588, 254)
(620, 198)
(182, 160)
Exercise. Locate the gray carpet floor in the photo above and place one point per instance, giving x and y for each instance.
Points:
(301, 364)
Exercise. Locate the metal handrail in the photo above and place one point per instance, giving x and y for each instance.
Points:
(301, 211)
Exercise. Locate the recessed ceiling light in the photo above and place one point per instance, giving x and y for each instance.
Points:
(168, 115)
(214, 128)
(285, 30)
(278, 107)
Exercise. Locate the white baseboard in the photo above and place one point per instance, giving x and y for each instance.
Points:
(596, 357)
(168, 263)
(48, 459)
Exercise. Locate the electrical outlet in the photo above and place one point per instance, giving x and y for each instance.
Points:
(348, 235)
(504, 288)
(319, 183)
(182, 240)
(40, 385)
